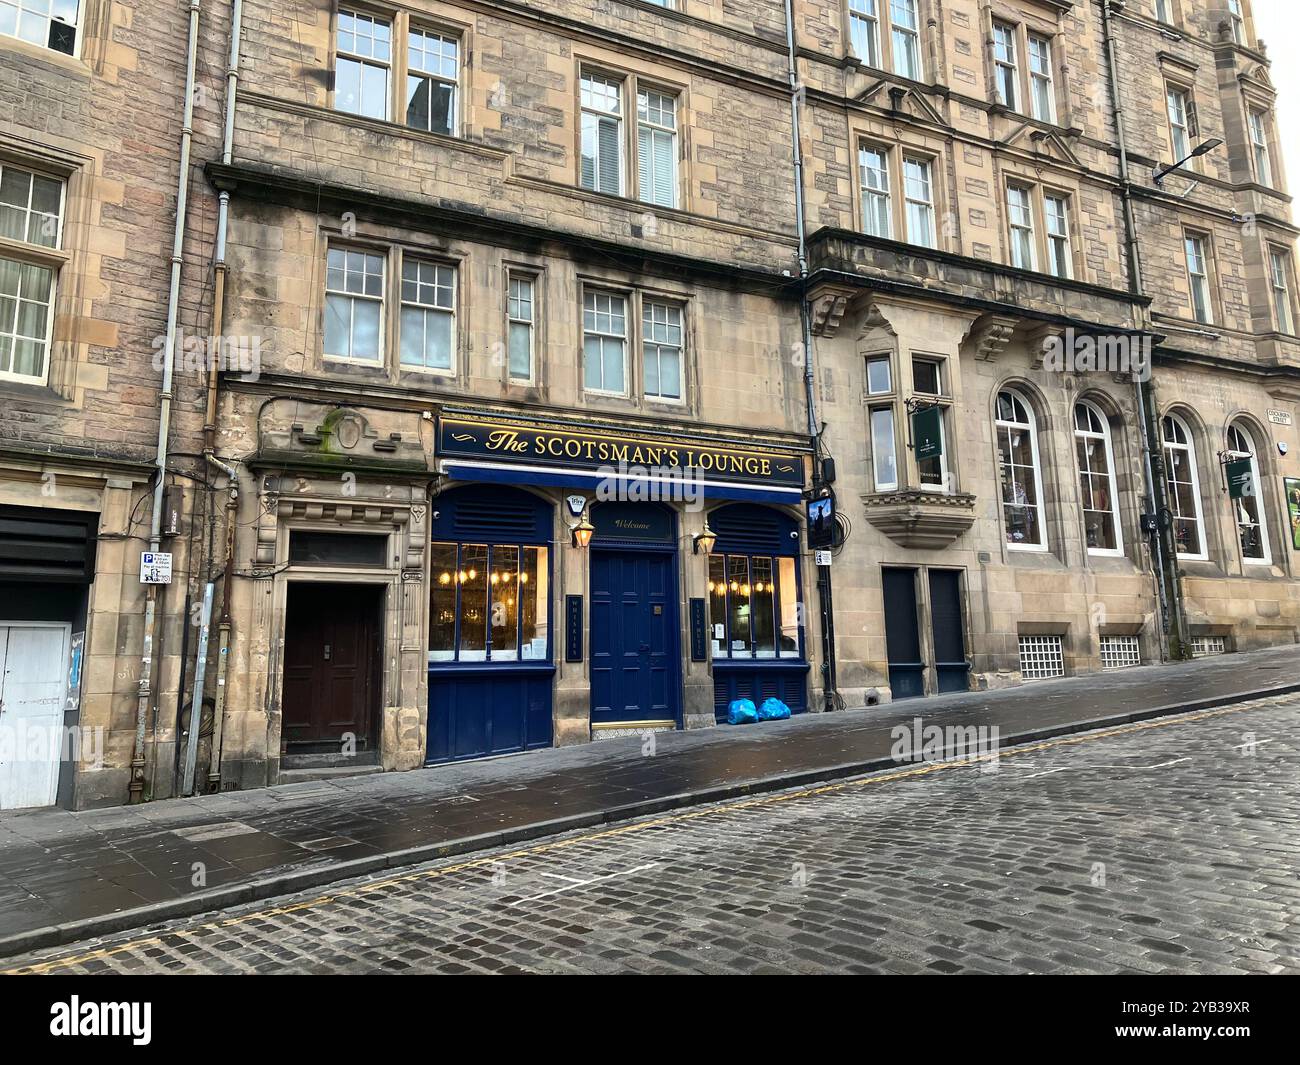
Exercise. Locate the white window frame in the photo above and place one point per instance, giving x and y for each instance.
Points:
(1279, 268)
(1112, 485)
(517, 306)
(649, 319)
(905, 38)
(1006, 66)
(924, 206)
(592, 116)
(1237, 20)
(352, 297)
(1041, 79)
(1022, 232)
(1178, 109)
(435, 77)
(1030, 425)
(864, 31)
(1257, 121)
(1241, 445)
(1060, 251)
(595, 293)
(1188, 447)
(437, 308)
(881, 448)
(874, 183)
(46, 17)
(43, 257)
(656, 131)
(364, 60)
(1196, 249)
(1164, 12)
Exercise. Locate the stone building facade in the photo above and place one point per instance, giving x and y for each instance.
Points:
(548, 364)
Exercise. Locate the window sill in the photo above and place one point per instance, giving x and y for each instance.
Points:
(41, 393)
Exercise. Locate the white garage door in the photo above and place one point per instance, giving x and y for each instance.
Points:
(33, 680)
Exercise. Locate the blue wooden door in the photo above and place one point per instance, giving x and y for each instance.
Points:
(635, 671)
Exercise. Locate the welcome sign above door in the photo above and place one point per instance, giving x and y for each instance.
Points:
(615, 453)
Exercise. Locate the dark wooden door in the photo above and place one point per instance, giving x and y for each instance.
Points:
(902, 635)
(947, 617)
(331, 655)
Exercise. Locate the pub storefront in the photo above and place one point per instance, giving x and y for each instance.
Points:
(590, 579)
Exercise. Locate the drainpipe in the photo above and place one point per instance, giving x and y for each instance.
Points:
(825, 595)
(135, 790)
(210, 420)
(1168, 586)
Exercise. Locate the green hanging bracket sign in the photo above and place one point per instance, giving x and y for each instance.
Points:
(927, 433)
(1241, 478)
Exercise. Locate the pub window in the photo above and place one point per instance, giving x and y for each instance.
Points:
(365, 50)
(31, 209)
(1096, 462)
(1252, 532)
(753, 606)
(488, 603)
(1020, 472)
(50, 24)
(1183, 488)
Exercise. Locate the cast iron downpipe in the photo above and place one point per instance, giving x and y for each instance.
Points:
(135, 790)
(1168, 586)
(825, 597)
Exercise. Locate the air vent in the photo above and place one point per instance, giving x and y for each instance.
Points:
(47, 545)
(747, 529)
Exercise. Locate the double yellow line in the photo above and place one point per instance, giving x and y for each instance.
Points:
(610, 833)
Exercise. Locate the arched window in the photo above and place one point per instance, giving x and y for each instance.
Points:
(1184, 488)
(1252, 531)
(1097, 490)
(1022, 483)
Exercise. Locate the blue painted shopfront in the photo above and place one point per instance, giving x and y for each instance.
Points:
(755, 592)
(635, 620)
(491, 658)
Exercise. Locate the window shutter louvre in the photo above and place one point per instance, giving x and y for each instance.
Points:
(645, 165)
(663, 170)
(608, 161)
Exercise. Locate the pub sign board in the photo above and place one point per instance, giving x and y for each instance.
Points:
(625, 453)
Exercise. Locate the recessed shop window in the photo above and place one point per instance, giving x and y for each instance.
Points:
(311, 547)
(488, 603)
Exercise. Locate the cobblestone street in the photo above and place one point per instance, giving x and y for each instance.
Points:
(1169, 846)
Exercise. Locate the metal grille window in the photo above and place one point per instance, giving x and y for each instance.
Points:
(428, 324)
(432, 71)
(354, 305)
(519, 318)
(1096, 462)
(1041, 657)
(753, 606)
(1198, 278)
(1060, 258)
(1280, 274)
(873, 175)
(1042, 96)
(864, 31)
(656, 135)
(919, 192)
(1020, 216)
(365, 50)
(604, 342)
(661, 349)
(50, 24)
(1184, 488)
(1120, 652)
(488, 603)
(1205, 646)
(1017, 441)
(602, 134)
(1178, 105)
(1252, 531)
(1006, 72)
(1259, 147)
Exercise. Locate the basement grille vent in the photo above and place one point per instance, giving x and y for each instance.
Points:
(1120, 652)
(1041, 657)
(1205, 646)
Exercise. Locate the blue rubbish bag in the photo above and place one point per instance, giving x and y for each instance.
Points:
(773, 710)
(741, 712)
